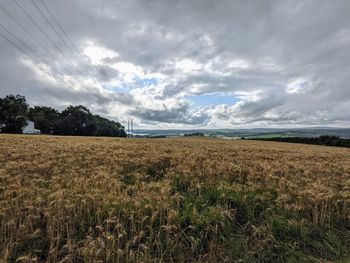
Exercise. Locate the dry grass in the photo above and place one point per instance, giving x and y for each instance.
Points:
(65, 199)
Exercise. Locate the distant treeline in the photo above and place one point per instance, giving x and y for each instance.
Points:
(74, 120)
(322, 140)
(194, 134)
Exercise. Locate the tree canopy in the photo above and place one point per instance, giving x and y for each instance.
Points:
(74, 120)
(44, 118)
(13, 113)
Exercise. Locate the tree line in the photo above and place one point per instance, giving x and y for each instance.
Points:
(321, 140)
(200, 134)
(15, 113)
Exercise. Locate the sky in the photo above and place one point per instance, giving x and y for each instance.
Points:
(182, 63)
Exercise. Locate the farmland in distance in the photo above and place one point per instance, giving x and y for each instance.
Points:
(84, 199)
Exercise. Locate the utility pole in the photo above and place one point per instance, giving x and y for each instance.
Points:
(132, 128)
(128, 134)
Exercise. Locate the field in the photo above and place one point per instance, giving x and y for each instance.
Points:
(66, 199)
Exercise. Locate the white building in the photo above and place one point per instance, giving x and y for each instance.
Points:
(29, 129)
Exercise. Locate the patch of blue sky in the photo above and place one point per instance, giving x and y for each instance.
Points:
(120, 89)
(123, 89)
(208, 99)
(143, 82)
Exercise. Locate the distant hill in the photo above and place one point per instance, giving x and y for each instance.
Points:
(253, 133)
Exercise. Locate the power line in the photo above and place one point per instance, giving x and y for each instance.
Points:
(31, 36)
(57, 33)
(15, 45)
(25, 30)
(27, 47)
(50, 24)
(22, 50)
(33, 59)
(44, 33)
(75, 49)
(54, 29)
(58, 24)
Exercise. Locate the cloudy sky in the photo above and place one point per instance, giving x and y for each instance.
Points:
(182, 63)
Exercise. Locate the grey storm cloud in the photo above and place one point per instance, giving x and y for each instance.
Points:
(179, 115)
(286, 62)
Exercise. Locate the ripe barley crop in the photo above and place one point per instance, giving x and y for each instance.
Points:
(66, 199)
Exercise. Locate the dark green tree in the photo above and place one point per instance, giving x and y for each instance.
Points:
(106, 127)
(44, 118)
(76, 120)
(13, 113)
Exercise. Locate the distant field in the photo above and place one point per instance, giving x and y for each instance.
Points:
(66, 199)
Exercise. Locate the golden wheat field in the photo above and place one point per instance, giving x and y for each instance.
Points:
(80, 199)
